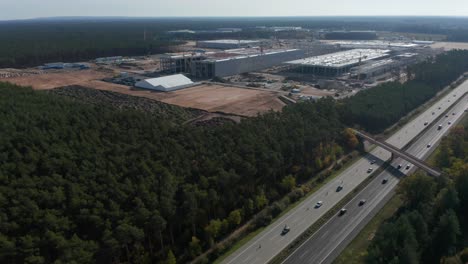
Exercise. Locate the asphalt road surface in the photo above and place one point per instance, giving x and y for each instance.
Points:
(268, 243)
(326, 244)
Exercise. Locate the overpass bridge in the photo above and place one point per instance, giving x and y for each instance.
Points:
(400, 153)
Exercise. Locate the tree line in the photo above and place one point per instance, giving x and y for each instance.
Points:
(432, 226)
(26, 44)
(378, 108)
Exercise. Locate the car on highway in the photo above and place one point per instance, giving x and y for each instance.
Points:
(446, 115)
(370, 170)
(372, 161)
(428, 145)
(385, 180)
(449, 123)
(439, 107)
(285, 230)
(425, 123)
(433, 113)
(318, 204)
(399, 166)
(339, 188)
(453, 113)
(408, 167)
(342, 211)
(362, 202)
(439, 127)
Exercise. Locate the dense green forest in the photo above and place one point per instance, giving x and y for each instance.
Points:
(378, 108)
(432, 226)
(33, 42)
(84, 183)
(26, 43)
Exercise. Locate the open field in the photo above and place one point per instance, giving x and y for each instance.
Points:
(450, 45)
(54, 80)
(219, 98)
(308, 90)
(208, 97)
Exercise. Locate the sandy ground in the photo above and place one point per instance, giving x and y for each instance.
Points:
(307, 90)
(450, 45)
(208, 97)
(213, 98)
(54, 80)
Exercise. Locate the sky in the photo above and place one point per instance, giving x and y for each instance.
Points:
(24, 9)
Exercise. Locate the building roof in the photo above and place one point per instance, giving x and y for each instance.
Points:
(250, 55)
(375, 44)
(169, 81)
(230, 41)
(343, 58)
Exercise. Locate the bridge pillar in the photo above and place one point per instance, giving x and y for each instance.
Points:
(366, 145)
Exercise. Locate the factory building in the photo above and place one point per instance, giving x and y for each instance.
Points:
(374, 69)
(337, 63)
(222, 67)
(227, 62)
(227, 44)
(181, 62)
(166, 83)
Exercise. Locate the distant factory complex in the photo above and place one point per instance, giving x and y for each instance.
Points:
(227, 62)
(228, 44)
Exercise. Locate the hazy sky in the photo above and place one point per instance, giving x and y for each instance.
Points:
(18, 9)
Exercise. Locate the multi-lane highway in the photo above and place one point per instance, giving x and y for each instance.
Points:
(267, 244)
(332, 237)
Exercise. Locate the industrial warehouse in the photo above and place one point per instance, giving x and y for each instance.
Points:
(335, 64)
(228, 62)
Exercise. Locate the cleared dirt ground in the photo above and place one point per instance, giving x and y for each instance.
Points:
(55, 80)
(450, 45)
(208, 97)
(214, 98)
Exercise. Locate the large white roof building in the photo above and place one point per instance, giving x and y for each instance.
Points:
(337, 63)
(166, 83)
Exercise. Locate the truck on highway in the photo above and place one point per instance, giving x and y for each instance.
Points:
(439, 127)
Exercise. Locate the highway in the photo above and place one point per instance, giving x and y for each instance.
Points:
(326, 244)
(268, 243)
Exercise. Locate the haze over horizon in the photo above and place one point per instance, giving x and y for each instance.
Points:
(12, 10)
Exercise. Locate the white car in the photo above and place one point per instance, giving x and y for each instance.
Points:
(370, 170)
(318, 204)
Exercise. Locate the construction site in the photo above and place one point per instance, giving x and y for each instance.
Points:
(238, 77)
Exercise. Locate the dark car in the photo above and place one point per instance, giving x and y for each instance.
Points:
(384, 181)
(286, 229)
(339, 188)
(362, 202)
(342, 211)
(399, 166)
